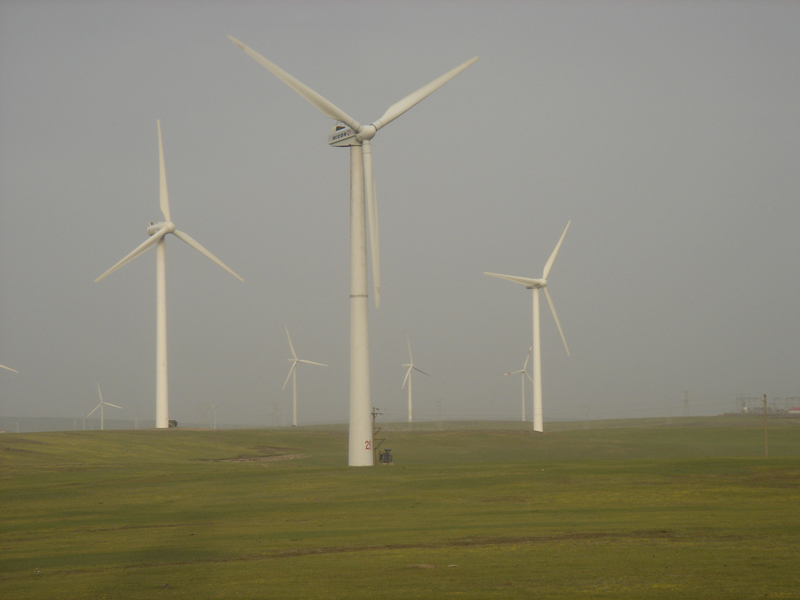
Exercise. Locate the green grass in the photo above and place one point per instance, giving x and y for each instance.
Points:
(683, 509)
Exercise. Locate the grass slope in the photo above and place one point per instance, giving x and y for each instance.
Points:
(689, 510)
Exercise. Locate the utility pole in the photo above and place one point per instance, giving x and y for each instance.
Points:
(766, 445)
(375, 430)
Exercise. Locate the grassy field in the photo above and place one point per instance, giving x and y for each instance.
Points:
(685, 508)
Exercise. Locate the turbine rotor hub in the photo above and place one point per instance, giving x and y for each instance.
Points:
(367, 132)
(156, 227)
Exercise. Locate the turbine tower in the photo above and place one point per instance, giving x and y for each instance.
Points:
(410, 367)
(350, 133)
(293, 374)
(100, 406)
(213, 411)
(524, 373)
(536, 285)
(158, 232)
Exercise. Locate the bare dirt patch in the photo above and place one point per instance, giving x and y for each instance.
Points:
(268, 454)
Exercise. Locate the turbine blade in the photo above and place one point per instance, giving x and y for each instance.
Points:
(196, 245)
(555, 316)
(99, 393)
(114, 405)
(523, 280)
(515, 372)
(553, 255)
(372, 213)
(529, 377)
(410, 358)
(294, 364)
(146, 245)
(9, 368)
(397, 109)
(311, 362)
(95, 408)
(290, 342)
(326, 107)
(421, 371)
(525, 366)
(408, 373)
(163, 196)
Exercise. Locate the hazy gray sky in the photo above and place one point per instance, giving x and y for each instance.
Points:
(668, 132)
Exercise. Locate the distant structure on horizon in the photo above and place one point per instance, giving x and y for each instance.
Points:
(776, 406)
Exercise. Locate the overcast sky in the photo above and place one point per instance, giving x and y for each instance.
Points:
(668, 132)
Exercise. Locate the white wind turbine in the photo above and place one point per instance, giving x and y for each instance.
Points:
(210, 409)
(158, 232)
(350, 133)
(293, 374)
(524, 373)
(536, 285)
(411, 367)
(100, 406)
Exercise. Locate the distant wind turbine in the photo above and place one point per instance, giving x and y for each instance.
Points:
(524, 373)
(411, 367)
(350, 133)
(158, 232)
(100, 406)
(293, 374)
(536, 285)
(210, 409)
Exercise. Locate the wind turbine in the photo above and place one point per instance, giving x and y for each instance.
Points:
(410, 367)
(524, 373)
(350, 133)
(158, 232)
(210, 409)
(293, 374)
(536, 285)
(100, 406)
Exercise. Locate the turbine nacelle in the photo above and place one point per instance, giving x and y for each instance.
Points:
(536, 284)
(157, 227)
(342, 136)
